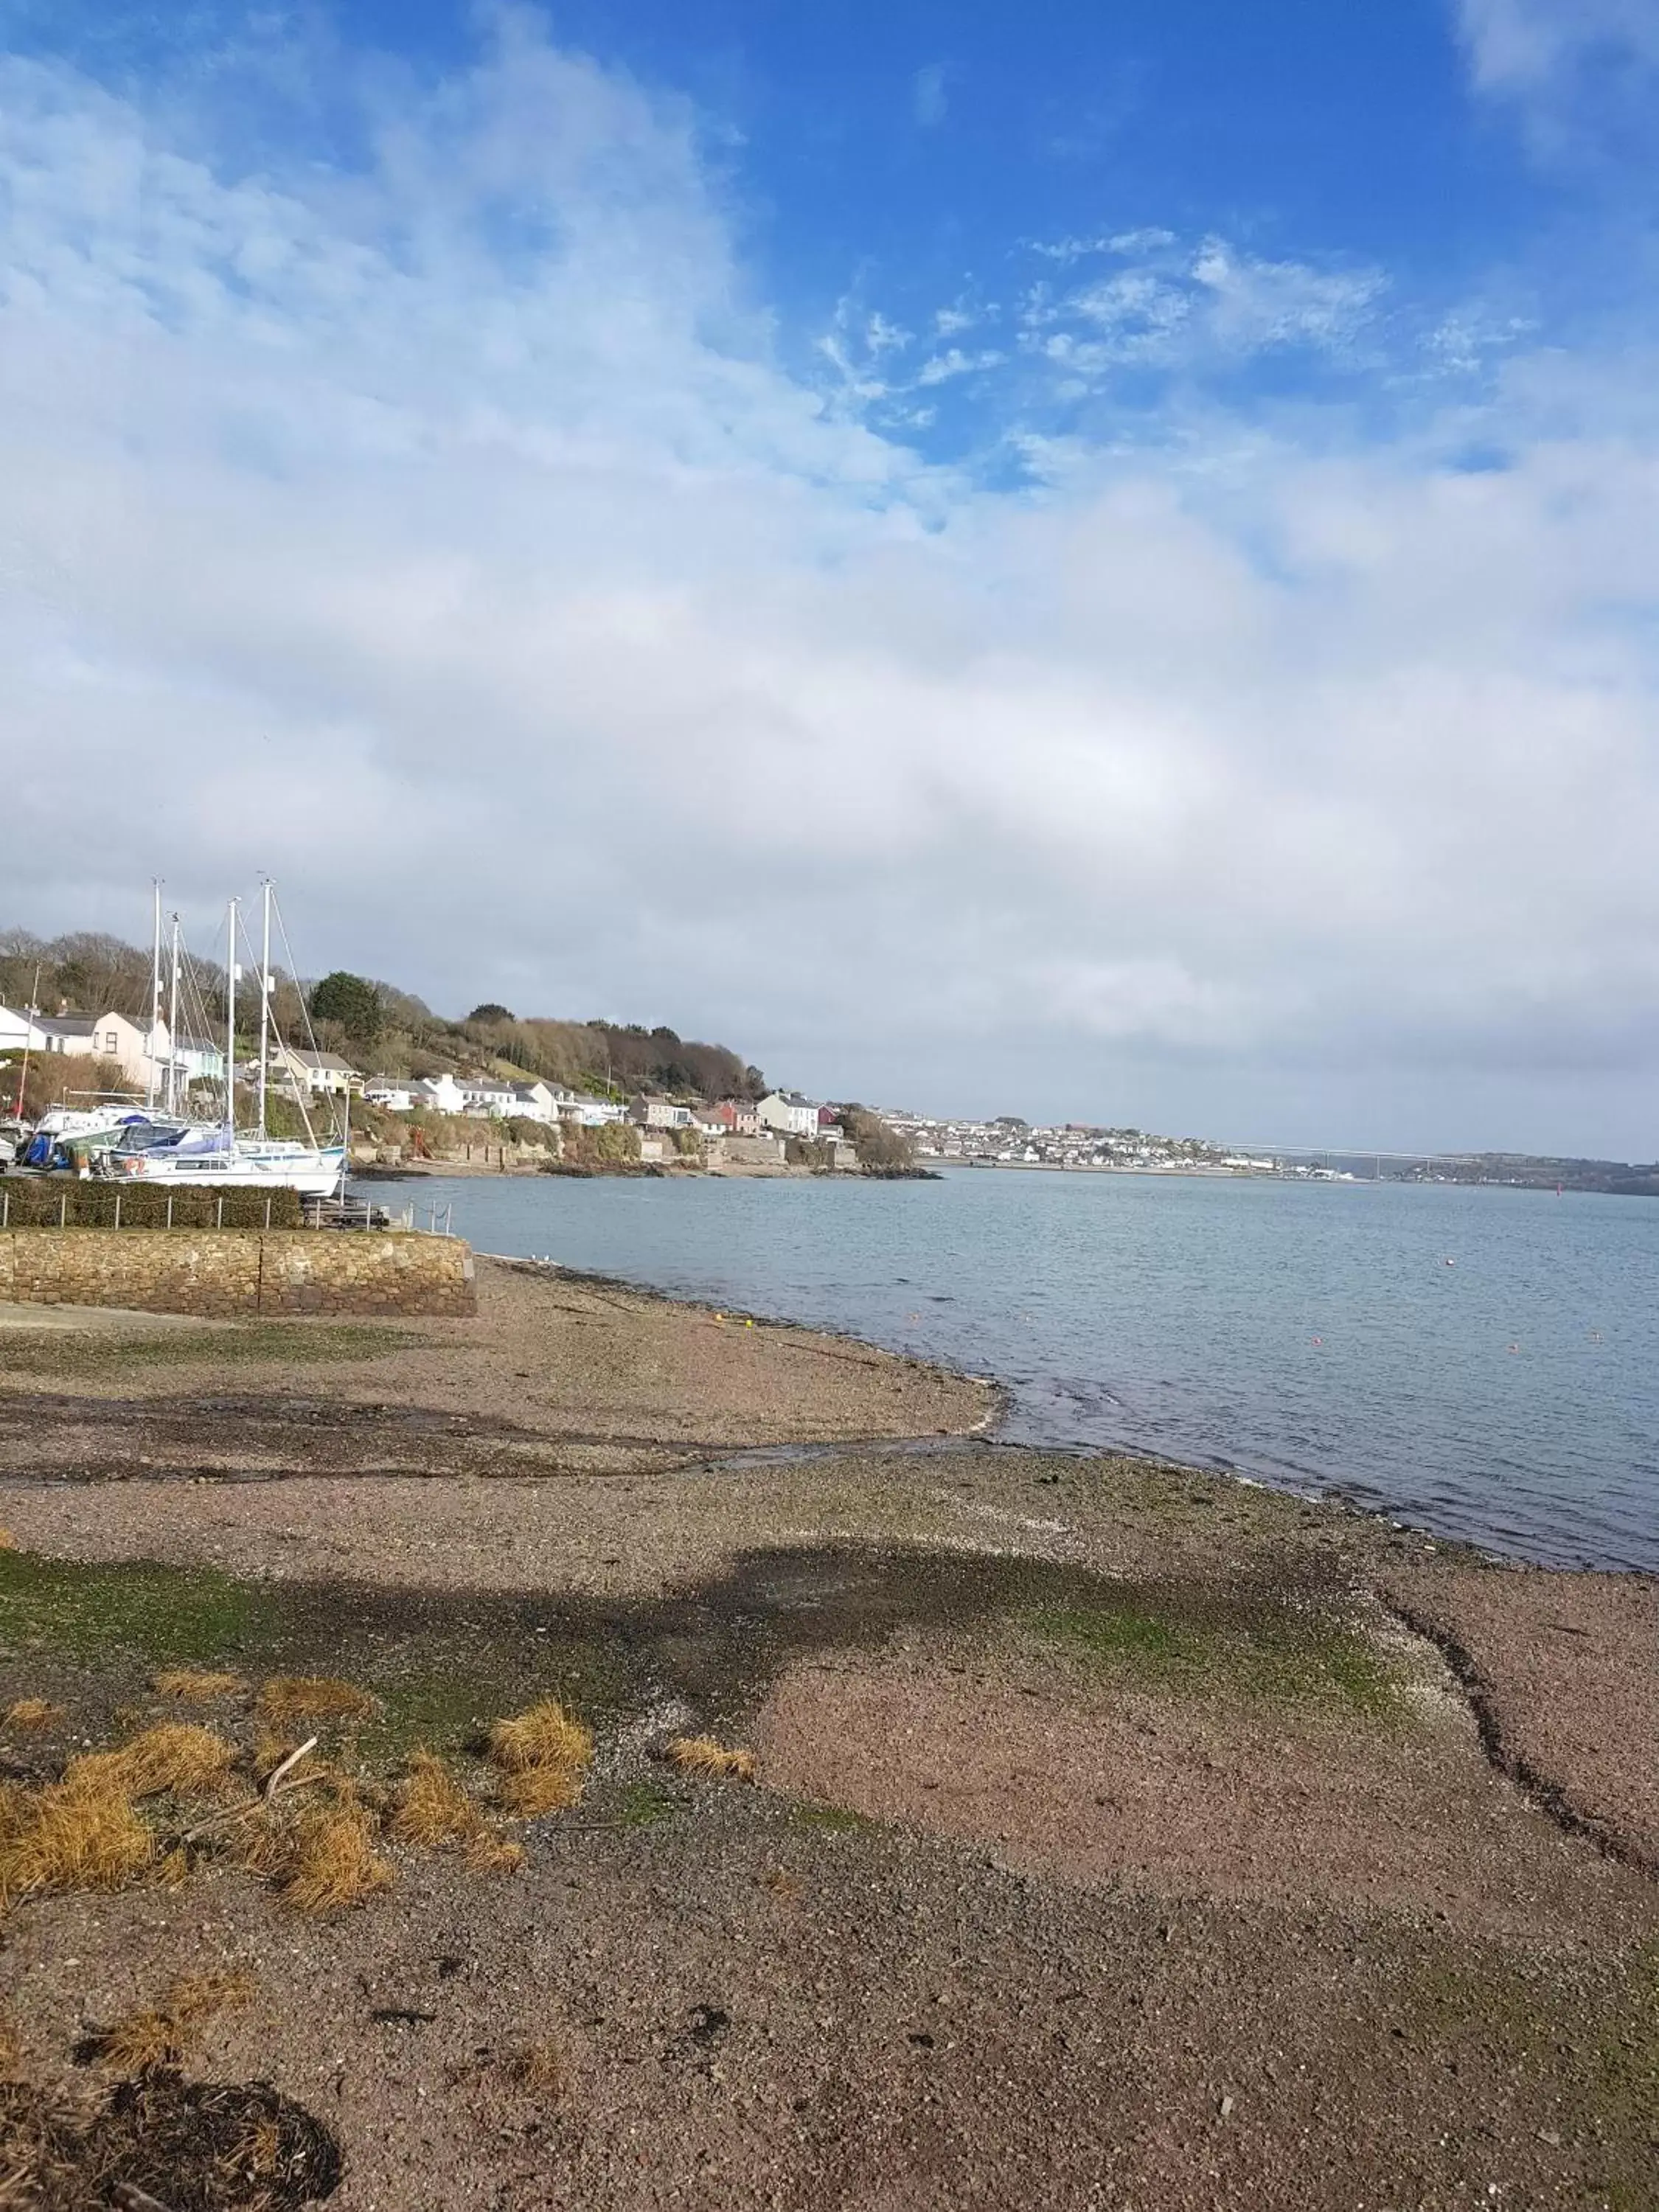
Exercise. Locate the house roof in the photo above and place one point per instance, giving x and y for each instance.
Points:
(72, 1024)
(321, 1060)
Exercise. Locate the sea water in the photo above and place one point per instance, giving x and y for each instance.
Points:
(1481, 1362)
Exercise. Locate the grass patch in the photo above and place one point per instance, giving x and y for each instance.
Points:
(290, 1697)
(643, 1805)
(1187, 1641)
(542, 1756)
(32, 1713)
(160, 2036)
(196, 1685)
(162, 1612)
(230, 1345)
(829, 1820)
(333, 1861)
(701, 1754)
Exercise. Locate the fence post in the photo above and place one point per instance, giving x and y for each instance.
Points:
(169, 1209)
(267, 1209)
(63, 1209)
(118, 1206)
(219, 1212)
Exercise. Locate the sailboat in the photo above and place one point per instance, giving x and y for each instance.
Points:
(217, 1154)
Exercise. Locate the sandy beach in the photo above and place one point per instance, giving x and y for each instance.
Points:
(1118, 1835)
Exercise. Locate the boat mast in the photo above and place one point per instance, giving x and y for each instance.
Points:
(173, 1027)
(230, 1024)
(155, 998)
(264, 1001)
(31, 1014)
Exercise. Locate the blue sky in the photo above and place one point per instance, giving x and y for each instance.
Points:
(1091, 561)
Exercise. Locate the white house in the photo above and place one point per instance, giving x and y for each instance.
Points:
(103, 1036)
(788, 1114)
(535, 1102)
(439, 1094)
(485, 1097)
(19, 1032)
(325, 1074)
(390, 1093)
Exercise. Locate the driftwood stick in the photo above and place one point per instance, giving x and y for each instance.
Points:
(128, 2197)
(293, 1759)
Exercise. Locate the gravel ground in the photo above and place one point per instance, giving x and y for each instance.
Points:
(554, 1371)
(1564, 1671)
(1120, 1842)
(746, 2012)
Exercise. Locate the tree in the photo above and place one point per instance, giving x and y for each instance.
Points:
(876, 1142)
(491, 1012)
(351, 1001)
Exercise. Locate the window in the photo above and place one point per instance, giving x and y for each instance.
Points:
(112, 1042)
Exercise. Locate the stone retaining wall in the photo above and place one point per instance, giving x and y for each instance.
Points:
(225, 1272)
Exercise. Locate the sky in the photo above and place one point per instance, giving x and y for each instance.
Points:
(1093, 562)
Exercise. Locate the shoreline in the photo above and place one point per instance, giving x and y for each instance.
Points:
(1064, 1767)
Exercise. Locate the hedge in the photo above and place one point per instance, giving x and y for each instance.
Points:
(50, 1202)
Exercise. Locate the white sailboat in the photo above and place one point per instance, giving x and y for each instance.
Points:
(217, 1155)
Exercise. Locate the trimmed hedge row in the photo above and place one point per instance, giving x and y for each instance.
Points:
(27, 1202)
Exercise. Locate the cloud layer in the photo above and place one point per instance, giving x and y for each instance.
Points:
(441, 530)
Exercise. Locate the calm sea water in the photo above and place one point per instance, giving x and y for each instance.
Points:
(1312, 1334)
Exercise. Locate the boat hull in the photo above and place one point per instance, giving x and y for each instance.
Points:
(312, 1174)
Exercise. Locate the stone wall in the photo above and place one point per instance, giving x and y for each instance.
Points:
(234, 1271)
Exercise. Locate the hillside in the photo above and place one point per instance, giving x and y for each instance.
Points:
(385, 1030)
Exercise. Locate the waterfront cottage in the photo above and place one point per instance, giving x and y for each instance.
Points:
(104, 1036)
(324, 1074)
(788, 1114)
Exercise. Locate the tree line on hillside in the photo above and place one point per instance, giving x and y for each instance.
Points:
(383, 1030)
(377, 1023)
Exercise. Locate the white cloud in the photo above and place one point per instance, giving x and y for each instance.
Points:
(941, 367)
(1518, 44)
(929, 99)
(446, 537)
(1258, 305)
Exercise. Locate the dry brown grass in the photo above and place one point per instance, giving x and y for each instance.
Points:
(491, 1852)
(431, 1807)
(540, 2069)
(160, 2036)
(175, 1755)
(701, 1754)
(542, 1756)
(537, 1789)
(7, 1541)
(32, 1713)
(289, 1698)
(542, 1735)
(69, 1836)
(142, 2038)
(257, 2153)
(331, 1861)
(197, 1686)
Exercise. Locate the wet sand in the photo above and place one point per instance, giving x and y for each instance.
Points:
(1124, 1836)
